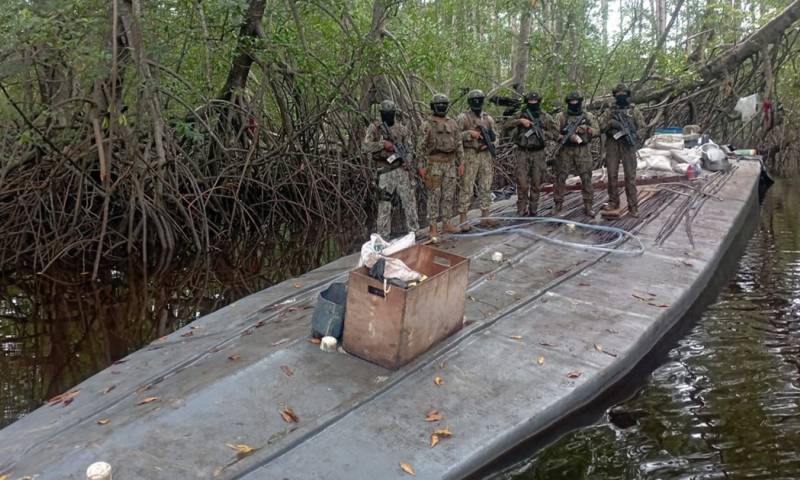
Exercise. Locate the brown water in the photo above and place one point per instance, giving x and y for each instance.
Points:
(726, 404)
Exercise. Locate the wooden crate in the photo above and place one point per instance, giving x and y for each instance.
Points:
(394, 327)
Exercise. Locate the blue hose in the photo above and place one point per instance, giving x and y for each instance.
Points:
(521, 228)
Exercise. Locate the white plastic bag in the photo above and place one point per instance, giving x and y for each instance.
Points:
(376, 248)
(665, 141)
(747, 107)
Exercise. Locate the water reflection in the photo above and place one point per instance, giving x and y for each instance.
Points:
(726, 404)
(57, 329)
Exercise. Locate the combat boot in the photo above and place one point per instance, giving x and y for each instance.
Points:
(557, 209)
(448, 227)
(486, 222)
(587, 209)
(533, 210)
(462, 219)
(633, 211)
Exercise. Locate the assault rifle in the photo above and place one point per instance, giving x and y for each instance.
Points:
(626, 130)
(535, 128)
(487, 138)
(401, 151)
(569, 131)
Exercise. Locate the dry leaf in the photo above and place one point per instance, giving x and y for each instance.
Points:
(147, 400)
(315, 341)
(286, 370)
(515, 337)
(4, 477)
(242, 450)
(574, 374)
(546, 344)
(279, 342)
(188, 334)
(598, 347)
(234, 357)
(540, 361)
(433, 416)
(108, 389)
(297, 285)
(434, 439)
(443, 432)
(103, 421)
(438, 381)
(584, 284)
(408, 469)
(65, 398)
(289, 416)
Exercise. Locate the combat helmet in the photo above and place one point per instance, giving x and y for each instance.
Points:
(621, 87)
(473, 94)
(439, 103)
(387, 106)
(532, 96)
(574, 96)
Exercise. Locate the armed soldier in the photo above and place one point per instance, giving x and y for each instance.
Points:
(479, 139)
(532, 128)
(624, 127)
(441, 164)
(576, 128)
(387, 142)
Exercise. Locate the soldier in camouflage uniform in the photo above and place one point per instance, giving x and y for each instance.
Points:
(532, 128)
(574, 156)
(624, 127)
(441, 163)
(385, 142)
(477, 158)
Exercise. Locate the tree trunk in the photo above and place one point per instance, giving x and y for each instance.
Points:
(240, 69)
(523, 49)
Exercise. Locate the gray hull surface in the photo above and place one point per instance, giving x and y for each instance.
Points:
(548, 330)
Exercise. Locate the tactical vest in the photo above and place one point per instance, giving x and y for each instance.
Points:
(397, 132)
(564, 118)
(442, 135)
(472, 122)
(526, 139)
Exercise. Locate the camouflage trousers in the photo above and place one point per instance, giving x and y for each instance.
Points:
(441, 180)
(398, 182)
(616, 153)
(529, 169)
(574, 161)
(477, 168)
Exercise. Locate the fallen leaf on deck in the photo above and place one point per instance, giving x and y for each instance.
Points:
(651, 294)
(288, 371)
(408, 469)
(546, 344)
(598, 347)
(639, 298)
(315, 341)
(249, 331)
(663, 305)
(103, 421)
(491, 277)
(242, 450)
(297, 285)
(443, 432)
(515, 337)
(289, 416)
(147, 400)
(433, 416)
(540, 361)
(65, 398)
(688, 264)
(438, 381)
(260, 323)
(434, 439)
(108, 389)
(443, 364)
(574, 374)
(234, 357)
(115, 372)
(280, 342)
(188, 334)
(119, 361)
(584, 284)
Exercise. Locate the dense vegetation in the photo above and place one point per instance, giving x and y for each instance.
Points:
(158, 130)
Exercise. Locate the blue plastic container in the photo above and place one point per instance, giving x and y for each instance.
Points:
(328, 317)
(669, 130)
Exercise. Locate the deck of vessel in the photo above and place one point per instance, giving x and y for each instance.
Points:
(547, 331)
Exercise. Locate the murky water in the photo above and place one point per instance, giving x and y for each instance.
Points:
(726, 404)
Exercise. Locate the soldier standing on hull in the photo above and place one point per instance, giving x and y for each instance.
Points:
(387, 142)
(476, 125)
(576, 128)
(624, 126)
(442, 163)
(532, 128)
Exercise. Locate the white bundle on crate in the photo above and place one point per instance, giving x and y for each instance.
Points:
(377, 248)
(666, 152)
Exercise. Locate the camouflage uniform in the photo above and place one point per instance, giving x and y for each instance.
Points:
(530, 158)
(477, 161)
(575, 159)
(443, 153)
(396, 181)
(621, 151)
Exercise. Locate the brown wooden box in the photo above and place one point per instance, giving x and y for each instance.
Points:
(395, 328)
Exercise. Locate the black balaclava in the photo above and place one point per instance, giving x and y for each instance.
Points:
(574, 108)
(388, 117)
(439, 109)
(476, 105)
(622, 100)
